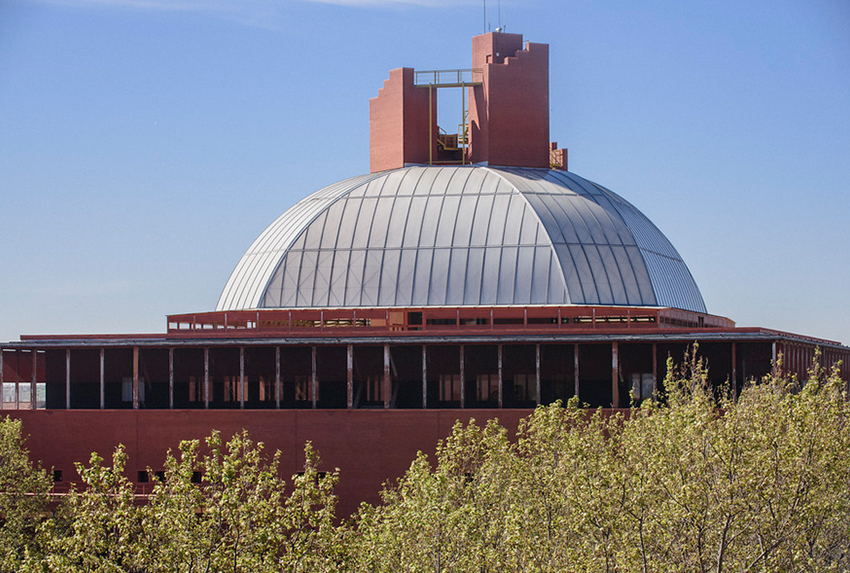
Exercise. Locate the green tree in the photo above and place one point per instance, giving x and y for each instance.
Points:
(23, 498)
(228, 511)
(98, 527)
(697, 481)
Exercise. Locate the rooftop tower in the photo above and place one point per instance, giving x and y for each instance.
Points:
(505, 111)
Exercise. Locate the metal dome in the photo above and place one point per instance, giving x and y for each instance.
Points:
(464, 235)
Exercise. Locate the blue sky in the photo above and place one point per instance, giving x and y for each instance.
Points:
(145, 143)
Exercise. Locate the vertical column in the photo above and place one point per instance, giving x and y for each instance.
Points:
(206, 377)
(34, 381)
(773, 353)
(241, 377)
(575, 370)
(102, 380)
(615, 375)
(735, 370)
(349, 376)
(170, 378)
(135, 377)
(387, 382)
(277, 377)
(67, 378)
(655, 369)
(501, 397)
(314, 380)
(539, 387)
(424, 377)
(462, 378)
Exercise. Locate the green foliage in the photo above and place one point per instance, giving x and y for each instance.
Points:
(23, 498)
(697, 481)
(98, 527)
(700, 482)
(223, 511)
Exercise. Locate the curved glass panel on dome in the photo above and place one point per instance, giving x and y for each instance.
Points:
(452, 236)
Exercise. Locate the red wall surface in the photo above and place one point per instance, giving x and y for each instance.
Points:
(368, 446)
(399, 123)
(509, 114)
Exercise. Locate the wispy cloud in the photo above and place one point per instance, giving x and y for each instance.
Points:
(235, 6)
(264, 14)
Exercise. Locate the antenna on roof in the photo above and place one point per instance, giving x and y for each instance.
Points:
(484, 31)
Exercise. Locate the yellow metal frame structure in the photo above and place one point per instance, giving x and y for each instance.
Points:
(458, 78)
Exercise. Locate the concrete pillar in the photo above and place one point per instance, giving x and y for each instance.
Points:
(501, 396)
(424, 377)
(241, 377)
(314, 380)
(135, 377)
(34, 381)
(575, 368)
(206, 378)
(654, 369)
(277, 377)
(349, 376)
(67, 378)
(102, 380)
(615, 375)
(170, 378)
(462, 379)
(386, 381)
(539, 386)
(735, 370)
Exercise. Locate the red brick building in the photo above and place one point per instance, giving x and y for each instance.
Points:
(468, 274)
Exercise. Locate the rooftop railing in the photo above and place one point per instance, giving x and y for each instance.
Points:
(448, 78)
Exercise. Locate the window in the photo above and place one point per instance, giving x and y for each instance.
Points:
(127, 389)
(525, 387)
(266, 391)
(233, 386)
(304, 389)
(643, 387)
(196, 389)
(450, 387)
(487, 387)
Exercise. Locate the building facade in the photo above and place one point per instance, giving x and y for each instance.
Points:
(467, 275)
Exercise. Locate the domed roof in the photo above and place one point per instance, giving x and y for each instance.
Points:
(462, 235)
